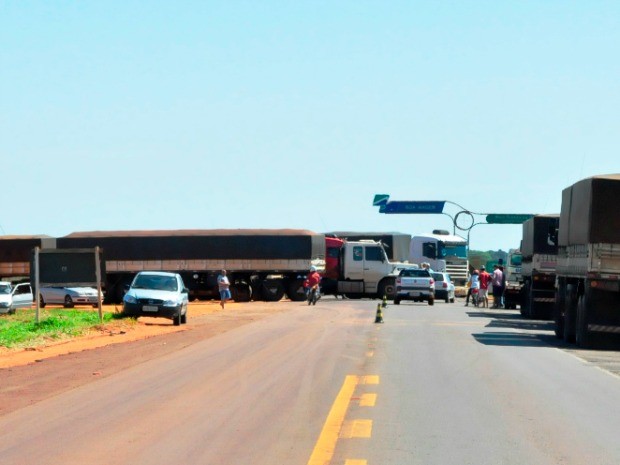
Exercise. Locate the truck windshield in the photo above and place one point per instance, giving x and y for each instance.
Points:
(448, 249)
(5, 289)
(515, 260)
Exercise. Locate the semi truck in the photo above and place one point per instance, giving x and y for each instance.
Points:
(444, 252)
(261, 264)
(539, 253)
(359, 269)
(396, 244)
(588, 265)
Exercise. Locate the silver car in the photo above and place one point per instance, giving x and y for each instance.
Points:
(157, 294)
(68, 297)
(444, 287)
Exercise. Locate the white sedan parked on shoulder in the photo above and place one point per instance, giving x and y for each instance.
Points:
(68, 297)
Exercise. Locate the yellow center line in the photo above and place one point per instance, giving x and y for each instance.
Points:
(326, 444)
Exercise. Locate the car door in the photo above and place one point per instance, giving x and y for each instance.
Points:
(22, 296)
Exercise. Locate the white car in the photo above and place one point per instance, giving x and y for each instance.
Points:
(444, 287)
(68, 297)
(13, 297)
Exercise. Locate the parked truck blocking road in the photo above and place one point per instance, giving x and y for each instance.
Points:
(588, 263)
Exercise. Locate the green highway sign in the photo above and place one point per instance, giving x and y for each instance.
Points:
(508, 218)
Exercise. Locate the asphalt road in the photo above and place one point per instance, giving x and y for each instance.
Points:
(445, 384)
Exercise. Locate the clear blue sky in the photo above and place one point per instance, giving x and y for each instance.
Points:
(118, 115)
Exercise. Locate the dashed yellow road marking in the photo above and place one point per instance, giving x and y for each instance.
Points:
(368, 400)
(335, 426)
(326, 444)
(356, 429)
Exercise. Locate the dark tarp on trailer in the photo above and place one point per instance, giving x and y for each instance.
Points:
(590, 211)
(216, 244)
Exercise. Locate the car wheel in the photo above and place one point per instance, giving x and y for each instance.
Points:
(447, 300)
(176, 320)
(184, 318)
(41, 302)
(431, 301)
(68, 302)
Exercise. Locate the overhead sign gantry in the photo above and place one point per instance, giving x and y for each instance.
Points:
(463, 219)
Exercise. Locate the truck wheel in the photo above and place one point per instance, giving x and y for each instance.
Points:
(241, 292)
(558, 309)
(570, 314)
(526, 309)
(387, 287)
(396, 301)
(273, 290)
(295, 290)
(583, 337)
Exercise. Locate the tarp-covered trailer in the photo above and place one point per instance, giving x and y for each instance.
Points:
(262, 264)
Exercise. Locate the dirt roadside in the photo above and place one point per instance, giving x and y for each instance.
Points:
(28, 376)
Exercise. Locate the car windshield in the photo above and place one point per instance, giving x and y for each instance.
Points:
(5, 289)
(160, 283)
(438, 276)
(413, 273)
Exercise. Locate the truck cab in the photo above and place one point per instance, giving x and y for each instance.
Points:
(444, 252)
(358, 269)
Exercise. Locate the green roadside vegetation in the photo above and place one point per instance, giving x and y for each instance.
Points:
(21, 329)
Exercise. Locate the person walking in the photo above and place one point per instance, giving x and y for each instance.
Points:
(223, 284)
(485, 280)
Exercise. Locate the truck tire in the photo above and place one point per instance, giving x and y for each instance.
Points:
(558, 308)
(295, 290)
(583, 336)
(241, 292)
(525, 299)
(570, 313)
(387, 287)
(273, 290)
(396, 301)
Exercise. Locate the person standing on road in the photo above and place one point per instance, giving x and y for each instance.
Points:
(474, 286)
(496, 281)
(223, 284)
(485, 280)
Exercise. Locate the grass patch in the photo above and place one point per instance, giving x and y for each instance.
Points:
(21, 330)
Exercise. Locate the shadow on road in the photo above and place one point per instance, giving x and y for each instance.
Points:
(526, 332)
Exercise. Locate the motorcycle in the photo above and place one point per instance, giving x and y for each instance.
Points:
(313, 295)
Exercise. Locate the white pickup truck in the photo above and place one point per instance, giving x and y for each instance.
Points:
(415, 284)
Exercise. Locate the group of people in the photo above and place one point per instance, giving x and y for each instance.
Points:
(479, 283)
